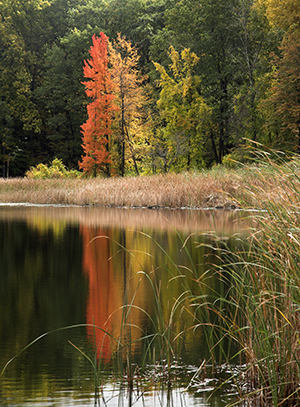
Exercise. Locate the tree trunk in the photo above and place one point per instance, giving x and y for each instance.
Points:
(214, 147)
(132, 154)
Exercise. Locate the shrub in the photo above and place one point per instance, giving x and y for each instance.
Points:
(56, 170)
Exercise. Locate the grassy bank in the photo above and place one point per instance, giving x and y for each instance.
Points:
(218, 187)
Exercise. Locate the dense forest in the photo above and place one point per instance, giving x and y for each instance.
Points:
(191, 82)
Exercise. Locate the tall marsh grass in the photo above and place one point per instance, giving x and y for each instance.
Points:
(169, 190)
(218, 187)
(260, 309)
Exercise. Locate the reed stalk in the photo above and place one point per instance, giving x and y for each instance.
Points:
(259, 310)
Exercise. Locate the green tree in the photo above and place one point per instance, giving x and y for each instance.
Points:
(21, 43)
(123, 16)
(283, 99)
(208, 28)
(183, 109)
(256, 39)
(284, 14)
(61, 96)
(280, 102)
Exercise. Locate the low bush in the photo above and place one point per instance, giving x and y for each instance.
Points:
(56, 170)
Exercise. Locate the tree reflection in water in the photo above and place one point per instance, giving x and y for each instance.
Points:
(66, 266)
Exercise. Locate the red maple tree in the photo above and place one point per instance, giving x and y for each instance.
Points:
(97, 129)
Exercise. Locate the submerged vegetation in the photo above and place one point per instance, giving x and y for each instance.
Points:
(255, 311)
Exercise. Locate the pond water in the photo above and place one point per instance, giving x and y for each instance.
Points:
(96, 281)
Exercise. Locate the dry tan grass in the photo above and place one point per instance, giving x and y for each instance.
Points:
(219, 187)
(171, 190)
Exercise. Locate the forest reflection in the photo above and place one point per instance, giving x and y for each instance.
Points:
(113, 260)
(63, 266)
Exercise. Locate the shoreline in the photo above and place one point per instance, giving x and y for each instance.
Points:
(231, 207)
(173, 191)
(220, 188)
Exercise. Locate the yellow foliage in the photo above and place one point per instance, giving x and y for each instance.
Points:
(131, 99)
(43, 225)
(180, 102)
(282, 13)
(182, 107)
(55, 170)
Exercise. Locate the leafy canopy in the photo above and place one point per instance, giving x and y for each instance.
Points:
(131, 101)
(182, 107)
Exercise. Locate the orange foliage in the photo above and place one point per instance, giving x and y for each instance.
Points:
(97, 129)
(104, 296)
(109, 288)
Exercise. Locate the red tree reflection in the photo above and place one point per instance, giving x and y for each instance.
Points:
(105, 292)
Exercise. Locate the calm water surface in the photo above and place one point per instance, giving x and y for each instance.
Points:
(65, 266)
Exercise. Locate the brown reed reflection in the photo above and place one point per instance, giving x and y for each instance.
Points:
(224, 221)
